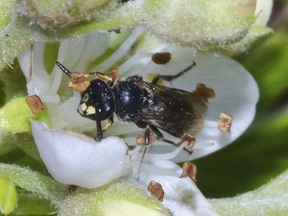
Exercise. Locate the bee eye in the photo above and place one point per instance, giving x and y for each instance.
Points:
(85, 97)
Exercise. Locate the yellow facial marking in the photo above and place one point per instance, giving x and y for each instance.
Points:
(83, 107)
(85, 98)
(90, 110)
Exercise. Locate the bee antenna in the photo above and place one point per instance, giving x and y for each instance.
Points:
(65, 70)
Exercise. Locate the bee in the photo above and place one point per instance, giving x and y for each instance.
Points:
(149, 105)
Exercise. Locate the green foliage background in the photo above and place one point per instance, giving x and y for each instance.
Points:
(262, 152)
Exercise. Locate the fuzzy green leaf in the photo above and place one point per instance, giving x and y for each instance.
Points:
(6, 8)
(41, 185)
(269, 199)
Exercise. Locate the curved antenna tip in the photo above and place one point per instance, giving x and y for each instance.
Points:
(65, 70)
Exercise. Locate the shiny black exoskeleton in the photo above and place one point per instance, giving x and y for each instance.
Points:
(148, 105)
(130, 98)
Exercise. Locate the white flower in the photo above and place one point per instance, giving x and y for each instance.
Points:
(236, 94)
(82, 158)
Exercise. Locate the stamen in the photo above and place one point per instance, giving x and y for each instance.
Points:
(136, 150)
(35, 104)
(56, 81)
(131, 140)
(189, 170)
(155, 157)
(31, 65)
(151, 168)
(121, 51)
(117, 129)
(225, 122)
(129, 65)
(210, 124)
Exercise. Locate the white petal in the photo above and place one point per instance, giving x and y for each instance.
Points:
(78, 53)
(236, 93)
(65, 116)
(121, 51)
(181, 196)
(38, 80)
(263, 11)
(75, 159)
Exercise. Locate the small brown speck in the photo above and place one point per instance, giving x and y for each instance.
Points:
(156, 190)
(35, 104)
(116, 30)
(189, 170)
(187, 138)
(161, 58)
(204, 92)
(225, 122)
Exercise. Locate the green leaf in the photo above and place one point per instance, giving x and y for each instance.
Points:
(6, 142)
(6, 8)
(39, 184)
(267, 61)
(8, 196)
(261, 153)
(29, 204)
(15, 115)
(269, 199)
(14, 39)
(12, 83)
(251, 161)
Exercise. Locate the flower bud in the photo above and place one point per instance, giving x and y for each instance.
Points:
(49, 14)
(204, 25)
(114, 199)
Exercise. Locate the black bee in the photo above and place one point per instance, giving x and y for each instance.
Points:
(147, 104)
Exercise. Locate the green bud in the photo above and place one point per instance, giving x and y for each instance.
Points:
(8, 196)
(203, 25)
(54, 13)
(114, 199)
(15, 115)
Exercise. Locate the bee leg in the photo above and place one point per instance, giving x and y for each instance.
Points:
(171, 77)
(161, 137)
(147, 135)
(111, 76)
(99, 135)
(110, 122)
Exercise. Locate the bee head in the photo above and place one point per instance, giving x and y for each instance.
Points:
(97, 100)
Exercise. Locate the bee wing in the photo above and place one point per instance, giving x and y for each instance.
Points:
(174, 111)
